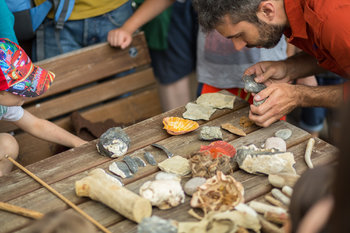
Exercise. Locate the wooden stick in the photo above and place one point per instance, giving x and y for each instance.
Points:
(21, 211)
(68, 202)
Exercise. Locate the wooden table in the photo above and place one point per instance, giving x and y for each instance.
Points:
(62, 170)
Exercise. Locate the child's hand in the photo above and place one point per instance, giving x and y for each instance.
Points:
(119, 37)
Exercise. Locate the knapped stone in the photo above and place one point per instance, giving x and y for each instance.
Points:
(198, 112)
(216, 100)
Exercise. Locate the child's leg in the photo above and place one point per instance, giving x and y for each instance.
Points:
(8, 146)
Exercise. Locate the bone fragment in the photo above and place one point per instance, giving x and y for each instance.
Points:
(275, 202)
(280, 196)
(276, 218)
(308, 151)
(269, 227)
(99, 187)
(280, 180)
(287, 190)
(262, 208)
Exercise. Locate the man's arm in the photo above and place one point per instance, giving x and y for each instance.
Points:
(297, 66)
(147, 11)
(47, 130)
(283, 98)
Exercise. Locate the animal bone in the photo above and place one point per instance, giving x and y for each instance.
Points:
(287, 190)
(266, 226)
(280, 180)
(276, 218)
(98, 186)
(163, 193)
(275, 202)
(262, 208)
(280, 196)
(308, 151)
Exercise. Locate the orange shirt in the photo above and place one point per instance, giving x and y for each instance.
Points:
(322, 29)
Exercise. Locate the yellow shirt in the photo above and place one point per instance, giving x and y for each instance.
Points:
(89, 8)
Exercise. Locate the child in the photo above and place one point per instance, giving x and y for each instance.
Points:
(19, 79)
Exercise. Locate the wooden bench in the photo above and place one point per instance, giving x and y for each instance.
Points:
(89, 71)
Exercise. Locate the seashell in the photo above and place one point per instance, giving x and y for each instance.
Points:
(210, 133)
(219, 148)
(139, 162)
(250, 84)
(121, 169)
(163, 193)
(178, 125)
(283, 133)
(156, 224)
(131, 164)
(219, 193)
(150, 158)
(177, 165)
(233, 129)
(254, 160)
(113, 143)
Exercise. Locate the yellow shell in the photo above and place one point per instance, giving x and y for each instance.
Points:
(178, 125)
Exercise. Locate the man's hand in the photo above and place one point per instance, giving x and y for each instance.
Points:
(269, 72)
(282, 98)
(119, 37)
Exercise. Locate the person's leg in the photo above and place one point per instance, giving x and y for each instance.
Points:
(8, 146)
(175, 94)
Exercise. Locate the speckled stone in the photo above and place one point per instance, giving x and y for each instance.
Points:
(210, 133)
(252, 86)
(276, 143)
(283, 133)
(113, 143)
(191, 186)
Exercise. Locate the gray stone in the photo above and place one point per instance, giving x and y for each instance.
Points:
(113, 143)
(131, 164)
(252, 86)
(121, 169)
(139, 161)
(191, 186)
(198, 112)
(216, 100)
(156, 224)
(150, 158)
(210, 133)
(283, 133)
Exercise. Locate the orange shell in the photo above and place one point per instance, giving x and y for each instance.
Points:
(219, 148)
(178, 125)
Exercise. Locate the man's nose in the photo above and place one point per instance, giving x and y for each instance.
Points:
(238, 44)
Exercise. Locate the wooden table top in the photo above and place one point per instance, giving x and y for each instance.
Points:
(62, 170)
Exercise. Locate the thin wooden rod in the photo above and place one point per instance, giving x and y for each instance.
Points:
(20, 210)
(68, 202)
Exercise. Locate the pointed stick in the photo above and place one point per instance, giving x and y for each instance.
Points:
(68, 202)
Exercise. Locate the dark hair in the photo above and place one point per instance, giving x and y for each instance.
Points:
(211, 12)
(340, 222)
(313, 185)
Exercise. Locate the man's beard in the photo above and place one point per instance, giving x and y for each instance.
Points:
(269, 35)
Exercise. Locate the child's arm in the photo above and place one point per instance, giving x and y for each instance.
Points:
(47, 130)
(148, 10)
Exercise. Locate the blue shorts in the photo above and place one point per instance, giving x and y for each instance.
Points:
(179, 59)
(77, 34)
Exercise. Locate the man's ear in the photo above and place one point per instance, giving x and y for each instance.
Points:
(267, 11)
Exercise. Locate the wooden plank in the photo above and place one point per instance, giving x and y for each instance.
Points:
(33, 149)
(83, 158)
(93, 63)
(82, 99)
(254, 185)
